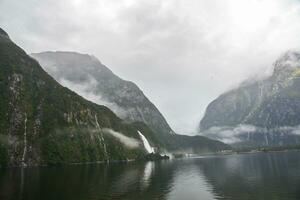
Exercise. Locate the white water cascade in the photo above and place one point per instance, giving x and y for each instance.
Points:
(147, 145)
(25, 141)
(101, 138)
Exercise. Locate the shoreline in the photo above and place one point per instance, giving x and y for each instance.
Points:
(178, 156)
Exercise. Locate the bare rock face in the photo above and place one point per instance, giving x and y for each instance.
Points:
(270, 107)
(87, 76)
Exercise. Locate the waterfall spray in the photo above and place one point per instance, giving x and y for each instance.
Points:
(147, 145)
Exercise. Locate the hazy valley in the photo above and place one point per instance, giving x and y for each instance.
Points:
(149, 100)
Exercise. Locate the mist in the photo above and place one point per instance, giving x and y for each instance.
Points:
(231, 134)
(182, 54)
(127, 141)
(85, 89)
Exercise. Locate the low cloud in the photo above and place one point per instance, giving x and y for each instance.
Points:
(127, 141)
(86, 88)
(183, 54)
(232, 134)
(228, 134)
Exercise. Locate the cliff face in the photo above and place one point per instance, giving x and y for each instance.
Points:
(265, 112)
(87, 76)
(42, 122)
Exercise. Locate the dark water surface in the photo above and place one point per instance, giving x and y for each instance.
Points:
(269, 176)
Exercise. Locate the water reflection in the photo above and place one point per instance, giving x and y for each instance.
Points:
(189, 183)
(148, 171)
(254, 176)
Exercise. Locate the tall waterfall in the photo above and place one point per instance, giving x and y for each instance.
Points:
(147, 145)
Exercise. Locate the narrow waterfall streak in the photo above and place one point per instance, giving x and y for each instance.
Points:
(266, 139)
(98, 127)
(146, 144)
(100, 137)
(25, 140)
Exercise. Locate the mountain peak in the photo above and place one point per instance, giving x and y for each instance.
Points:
(3, 33)
(69, 55)
(288, 61)
(258, 114)
(88, 77)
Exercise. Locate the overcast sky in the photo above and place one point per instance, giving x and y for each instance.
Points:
(181, 53)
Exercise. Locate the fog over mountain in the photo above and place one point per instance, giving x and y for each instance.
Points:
(182, 54)
(265, 112)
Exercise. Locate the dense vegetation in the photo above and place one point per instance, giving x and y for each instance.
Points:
(60, 125)
(42, 122)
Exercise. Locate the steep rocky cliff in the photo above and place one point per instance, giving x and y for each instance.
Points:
(42, 122)
(265, 112)
(87, 76)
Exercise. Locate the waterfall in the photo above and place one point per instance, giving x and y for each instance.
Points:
(147, 145)
(101, 138)
(266, 139)
(25, 141)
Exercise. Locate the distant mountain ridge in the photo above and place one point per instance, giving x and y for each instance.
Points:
(265, 112)
(87, 76)
(42, 122)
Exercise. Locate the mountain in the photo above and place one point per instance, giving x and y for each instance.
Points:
(87, 76)
(259, 113)
(42, 122)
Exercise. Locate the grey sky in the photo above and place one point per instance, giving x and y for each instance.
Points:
(182, 54)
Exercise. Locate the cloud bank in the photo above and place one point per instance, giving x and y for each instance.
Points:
(232, 134)
(182, 54)
(127, 141)
(86, 90)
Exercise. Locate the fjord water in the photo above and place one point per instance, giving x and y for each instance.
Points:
(238, 177)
